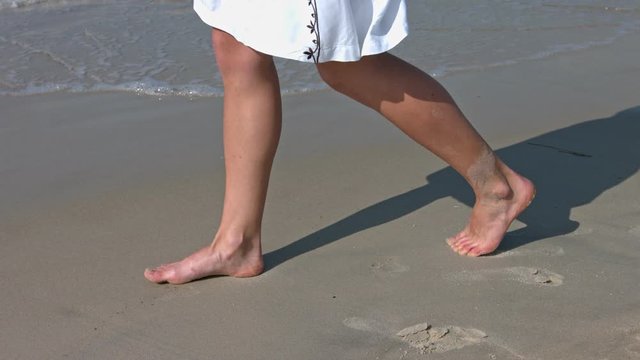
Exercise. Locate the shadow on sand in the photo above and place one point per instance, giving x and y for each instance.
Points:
(570, 167)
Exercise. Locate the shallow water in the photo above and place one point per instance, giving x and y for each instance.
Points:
(161, 47)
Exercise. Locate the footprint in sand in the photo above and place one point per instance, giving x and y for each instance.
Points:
(525, 275)
(424, 337)
(548, 251)
(428, 339)
(388, 265)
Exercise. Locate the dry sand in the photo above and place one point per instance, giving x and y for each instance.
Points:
(96, 187)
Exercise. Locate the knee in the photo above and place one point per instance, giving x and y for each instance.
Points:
(236, 59)
(333, 73)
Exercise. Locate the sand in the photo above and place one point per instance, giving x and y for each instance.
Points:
(96, 187)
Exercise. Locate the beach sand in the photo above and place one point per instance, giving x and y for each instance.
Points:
(96, 187)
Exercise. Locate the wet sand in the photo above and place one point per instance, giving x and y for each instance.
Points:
(96, 187)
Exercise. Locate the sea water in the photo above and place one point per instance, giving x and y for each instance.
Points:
(162, 48)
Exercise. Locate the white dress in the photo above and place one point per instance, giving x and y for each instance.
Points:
(310, 30)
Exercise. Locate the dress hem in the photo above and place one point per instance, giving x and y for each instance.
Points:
(344, 53)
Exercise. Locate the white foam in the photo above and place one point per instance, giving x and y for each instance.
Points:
(161, 48)
(24, 4)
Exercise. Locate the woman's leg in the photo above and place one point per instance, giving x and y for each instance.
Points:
(423, 109)
(252, 122)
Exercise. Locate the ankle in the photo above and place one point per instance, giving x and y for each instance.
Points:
(241, 252)
(488, 179)
(492, 185)
(497, 190)
(233, 241)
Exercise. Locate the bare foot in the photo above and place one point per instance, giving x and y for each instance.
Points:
(243, 261)
(492, 216)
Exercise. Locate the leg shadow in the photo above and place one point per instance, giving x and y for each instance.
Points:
(570, 167)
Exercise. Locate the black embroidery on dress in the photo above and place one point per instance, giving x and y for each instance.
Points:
(314, 52)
